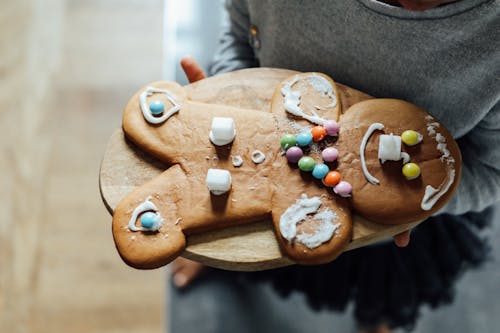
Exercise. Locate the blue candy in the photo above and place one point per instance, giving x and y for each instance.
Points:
(320, 171)
(148, 220)
(304, 139)
(157, 107)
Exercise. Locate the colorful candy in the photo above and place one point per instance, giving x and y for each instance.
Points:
(304, 139)
(148, 220)
(318, 133)
(344, 189)
(157, 107)
(320, 171)
(332, 178)
(411, 171)
(306, 163)
(287, 141)
(330, 154)
(331, 127)
(294, 154)
(411, 138)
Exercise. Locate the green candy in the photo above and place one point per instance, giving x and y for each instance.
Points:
(306, 163)
(287, 141)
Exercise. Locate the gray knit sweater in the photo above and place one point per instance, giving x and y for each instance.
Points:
(446, 60)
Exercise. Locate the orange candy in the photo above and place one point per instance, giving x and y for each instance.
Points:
(332, 178)
(318, 133)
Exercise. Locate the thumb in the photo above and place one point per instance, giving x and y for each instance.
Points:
(192, 69)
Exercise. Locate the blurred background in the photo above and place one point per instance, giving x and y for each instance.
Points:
(67, 68)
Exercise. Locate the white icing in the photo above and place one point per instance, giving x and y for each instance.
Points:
(323, 231)
(292, 98)
(218, 181)
(432, 195)
(258, 156)
(405, 157)
(298, 213)
(373, 127)
(222, 131)
(149, 91)
(236, 160)
(146, 206)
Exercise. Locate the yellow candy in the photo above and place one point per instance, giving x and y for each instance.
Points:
(411, 171)
(410, 137)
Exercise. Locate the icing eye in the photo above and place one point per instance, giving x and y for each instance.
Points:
(157, 108)
(154, 113)
(150, 220)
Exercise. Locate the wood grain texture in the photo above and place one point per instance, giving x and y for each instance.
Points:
(249, 247)
(62, 82)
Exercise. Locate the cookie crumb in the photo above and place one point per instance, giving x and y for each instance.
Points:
(132, 237)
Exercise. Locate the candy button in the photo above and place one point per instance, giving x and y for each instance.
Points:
(304, 139)
(148, 220)
(318, 133)
(156, 107)
(411, 171)
(330, 154)
(294, 154)
(332, 178)
(411, 138)
(331, 127)
(287, 141)
(306, 163)
(344, 189)
(320, 171)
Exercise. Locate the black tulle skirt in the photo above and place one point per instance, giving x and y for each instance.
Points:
(388, 284)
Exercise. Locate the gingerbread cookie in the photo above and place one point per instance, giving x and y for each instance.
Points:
(227, 168)
(303, 164)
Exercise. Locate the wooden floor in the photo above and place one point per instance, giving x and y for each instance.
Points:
(67, 69)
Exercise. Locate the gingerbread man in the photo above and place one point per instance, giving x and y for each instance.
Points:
(305, 165)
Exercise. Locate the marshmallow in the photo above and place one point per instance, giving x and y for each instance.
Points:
(218, 181)
(223, 131)
(389, 148)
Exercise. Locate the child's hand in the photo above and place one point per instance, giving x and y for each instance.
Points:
(192, 69)
(402, 239)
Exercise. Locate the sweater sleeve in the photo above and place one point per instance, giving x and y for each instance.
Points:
(480, 183)
(234, 50)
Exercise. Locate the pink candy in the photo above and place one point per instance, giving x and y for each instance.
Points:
(344, 189)
(293, 154)
(330, 154)
(331, 127)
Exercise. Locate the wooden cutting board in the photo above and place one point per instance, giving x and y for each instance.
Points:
(248, 247)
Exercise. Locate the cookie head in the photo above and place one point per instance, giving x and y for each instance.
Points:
(402, 163)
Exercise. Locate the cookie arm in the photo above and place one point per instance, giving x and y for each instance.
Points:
(156, 248)
(234, 50)
(480, 183)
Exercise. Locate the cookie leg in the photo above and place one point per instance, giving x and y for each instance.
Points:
(312, 227)
(146, 225)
